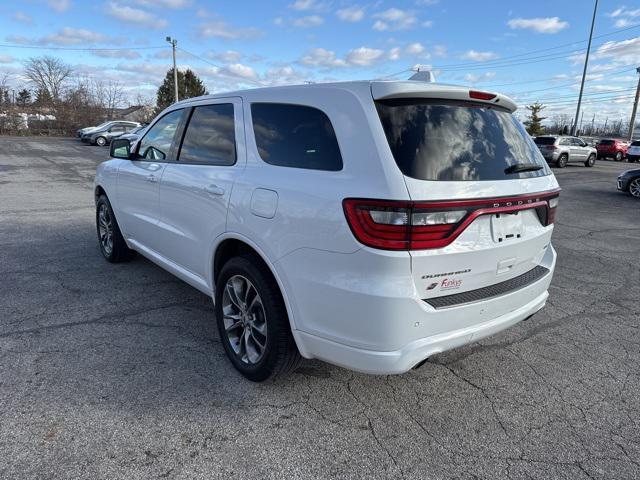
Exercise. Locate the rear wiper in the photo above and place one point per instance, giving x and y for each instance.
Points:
(523, 167)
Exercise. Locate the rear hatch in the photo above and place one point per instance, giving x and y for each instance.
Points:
(480, 188)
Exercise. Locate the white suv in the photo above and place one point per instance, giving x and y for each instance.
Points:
(367, 224)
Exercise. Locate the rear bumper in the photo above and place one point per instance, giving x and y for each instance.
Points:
(402, 360)
(366, 315)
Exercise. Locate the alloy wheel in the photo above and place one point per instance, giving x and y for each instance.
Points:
(634, 188)
(245, 319)
(105, 229)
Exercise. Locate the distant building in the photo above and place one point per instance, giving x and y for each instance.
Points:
(135, 113)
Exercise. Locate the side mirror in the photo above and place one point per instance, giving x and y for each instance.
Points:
(120, 148)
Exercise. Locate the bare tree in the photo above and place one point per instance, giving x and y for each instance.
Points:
(4, 89)
(110, 95)
(48, 74)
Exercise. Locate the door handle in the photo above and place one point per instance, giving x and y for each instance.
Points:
(152, 178)
(214, 190)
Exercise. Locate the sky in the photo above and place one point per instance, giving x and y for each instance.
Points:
(532, 51)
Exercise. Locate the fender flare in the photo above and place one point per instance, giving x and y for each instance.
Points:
(287, 301)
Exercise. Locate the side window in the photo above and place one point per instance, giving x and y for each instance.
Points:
(295, 136)
(211, 136)
(155, 145)
(564, 141)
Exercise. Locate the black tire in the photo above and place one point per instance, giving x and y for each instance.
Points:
(118, 250)
(591, 161)
(101, 141)
(618, 157)
(634, 188)
(280, 355)
(562, 161)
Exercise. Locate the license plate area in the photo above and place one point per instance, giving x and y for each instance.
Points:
(506, 227)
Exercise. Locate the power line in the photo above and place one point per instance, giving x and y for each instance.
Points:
(227, 73)
(545, 49)
(88, 49)
(625, 69)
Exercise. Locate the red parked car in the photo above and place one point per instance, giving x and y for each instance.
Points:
(616, 149)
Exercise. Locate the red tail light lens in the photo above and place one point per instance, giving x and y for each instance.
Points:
(481, 95)
(400, 225)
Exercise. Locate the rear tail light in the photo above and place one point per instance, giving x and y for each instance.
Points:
(551, 147)
(400, 225)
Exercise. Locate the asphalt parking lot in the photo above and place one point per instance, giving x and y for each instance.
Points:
(116, 371)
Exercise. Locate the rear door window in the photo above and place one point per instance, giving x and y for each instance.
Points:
(210, 136)
(295, 136)
(457, 141)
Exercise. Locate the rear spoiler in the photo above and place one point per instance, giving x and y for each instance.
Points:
(411, 89)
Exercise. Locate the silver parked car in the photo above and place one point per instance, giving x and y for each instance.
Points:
(560, 150)
(103, 136)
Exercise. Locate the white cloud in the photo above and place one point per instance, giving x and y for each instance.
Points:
(479, 56)
(6, 59)
(306, 5)
(22, 17)
(128, 54)
(60, 5)
(70, 36)
(308, 21)
(239, 70)
(357, 57)
(363, 56)
(221, 29)
(624, 51)
(229, 56)
(320, 57)
(625, 17)
(394, 53)
(394, 19)
(165, 3)
(351, 14)
(415, 48)
(473, 78)
(134, 15)
(440, 51)
(540, 25)
(624, 12)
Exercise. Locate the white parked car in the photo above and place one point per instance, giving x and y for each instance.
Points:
(367, 224)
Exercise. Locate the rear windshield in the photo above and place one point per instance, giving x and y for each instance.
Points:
(545, 140)
(454, 141)
(635, 144)
(607, 142)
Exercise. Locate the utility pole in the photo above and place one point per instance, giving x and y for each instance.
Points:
(173, 43)
(584, 72)
(581, 118)
(635, 108)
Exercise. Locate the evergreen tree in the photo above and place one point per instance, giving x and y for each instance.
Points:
(534, 120)
(24, 97)
(189, 85)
